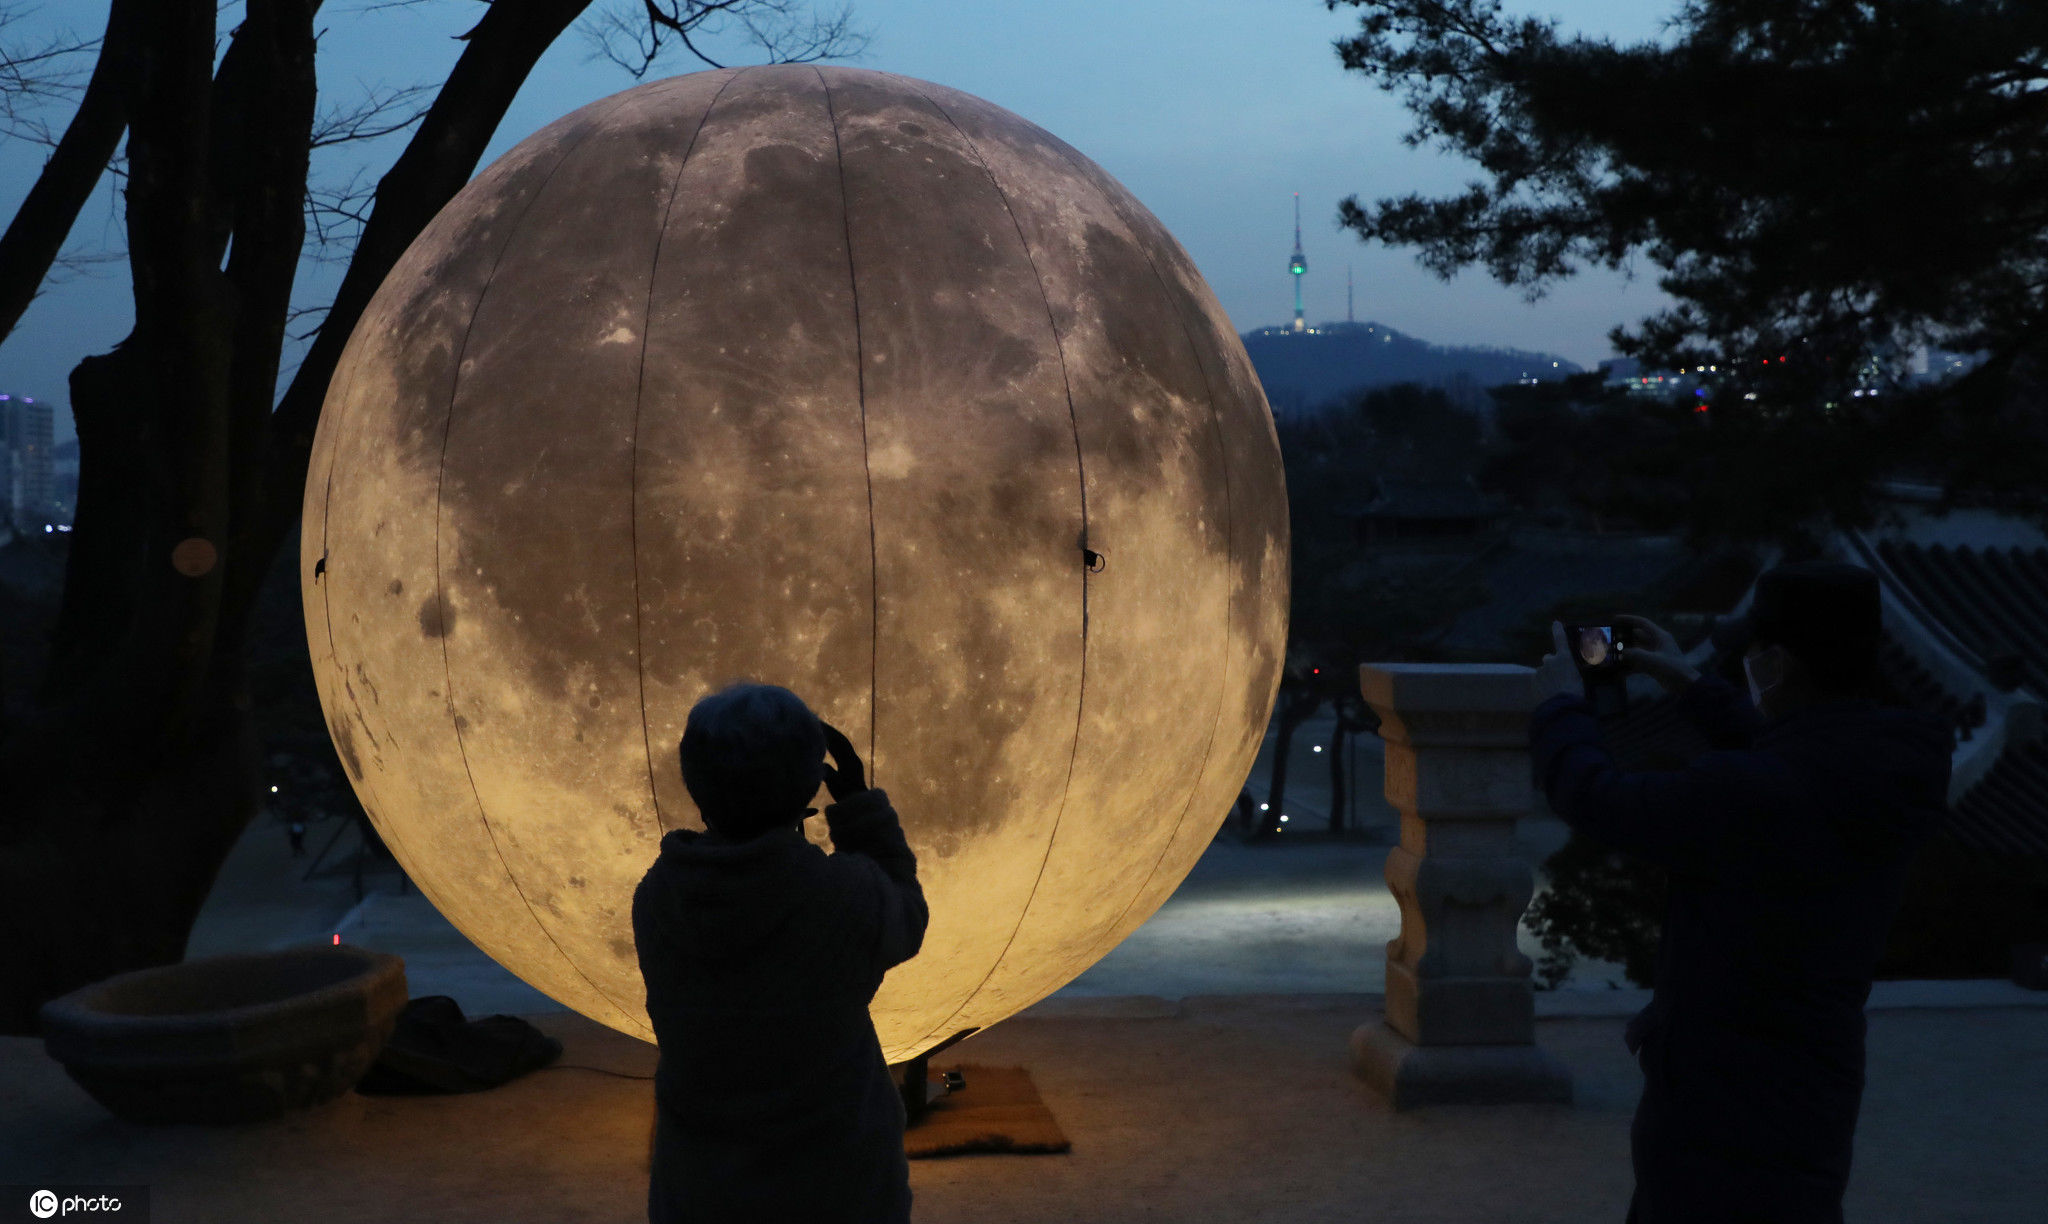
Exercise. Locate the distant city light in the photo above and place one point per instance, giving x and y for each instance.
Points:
(1262, 807)
(47, 529)
(1283, 820)
(1318, 748)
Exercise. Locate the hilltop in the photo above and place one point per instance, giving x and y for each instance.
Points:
(1304, 371)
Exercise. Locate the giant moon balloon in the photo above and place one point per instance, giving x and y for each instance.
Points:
(826, 378)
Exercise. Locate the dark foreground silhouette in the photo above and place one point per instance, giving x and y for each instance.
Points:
(761, 953)
(1788, 847)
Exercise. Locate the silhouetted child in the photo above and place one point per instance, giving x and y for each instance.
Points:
(761, 953)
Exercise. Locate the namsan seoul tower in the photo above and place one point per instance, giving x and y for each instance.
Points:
(1298, 265)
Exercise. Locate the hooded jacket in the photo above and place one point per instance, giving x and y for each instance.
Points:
(760, 957)
(1787, 847)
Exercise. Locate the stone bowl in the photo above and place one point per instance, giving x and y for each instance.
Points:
(238, 1038)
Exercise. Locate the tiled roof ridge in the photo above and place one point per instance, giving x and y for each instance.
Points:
(1990, 603)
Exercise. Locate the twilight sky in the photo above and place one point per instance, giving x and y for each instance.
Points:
(1213, 112)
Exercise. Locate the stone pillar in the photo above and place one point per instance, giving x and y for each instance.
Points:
(1460, 1024)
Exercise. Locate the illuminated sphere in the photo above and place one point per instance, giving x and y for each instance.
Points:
(825, 378)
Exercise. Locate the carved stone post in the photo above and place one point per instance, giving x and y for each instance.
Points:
(1460, 1022)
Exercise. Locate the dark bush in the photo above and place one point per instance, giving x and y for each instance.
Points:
(1963, 912)
(1599, 903)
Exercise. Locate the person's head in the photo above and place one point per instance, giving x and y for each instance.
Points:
(752, 757)
(1814, 630)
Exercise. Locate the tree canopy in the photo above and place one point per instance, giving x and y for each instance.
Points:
(1824, 186)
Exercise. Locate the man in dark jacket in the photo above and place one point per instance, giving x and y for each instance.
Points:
(1787, 847)
(761, 953)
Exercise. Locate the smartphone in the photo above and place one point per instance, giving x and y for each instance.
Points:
(1601, 651)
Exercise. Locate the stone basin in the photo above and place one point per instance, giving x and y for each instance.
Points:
(236, 1038)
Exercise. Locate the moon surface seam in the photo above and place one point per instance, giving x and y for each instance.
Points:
(1081, 471)
(633, 477)
(860, 382)
(440, 593)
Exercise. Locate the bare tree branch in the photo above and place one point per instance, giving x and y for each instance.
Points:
(381, 111)
(36, 234)
(54, 68)
(336, 215)
(785, 31)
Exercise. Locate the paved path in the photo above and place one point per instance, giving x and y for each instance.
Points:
(1211, 1110)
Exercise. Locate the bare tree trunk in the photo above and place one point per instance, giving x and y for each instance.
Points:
(52, 205)
(439, 159)
(130, 785)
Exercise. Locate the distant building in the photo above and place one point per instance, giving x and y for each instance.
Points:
(25, 448)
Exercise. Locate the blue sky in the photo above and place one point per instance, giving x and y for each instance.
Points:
(1213, 112)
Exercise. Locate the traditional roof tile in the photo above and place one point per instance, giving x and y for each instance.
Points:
(1993, 600)
(2006, 812)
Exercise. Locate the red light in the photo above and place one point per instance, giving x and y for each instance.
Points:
(1315, 671)
(337, 939)
(1781, 359)
(1701, 407)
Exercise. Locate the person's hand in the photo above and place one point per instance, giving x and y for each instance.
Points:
(1558, 673)
(845, 777)
(1656, 654)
